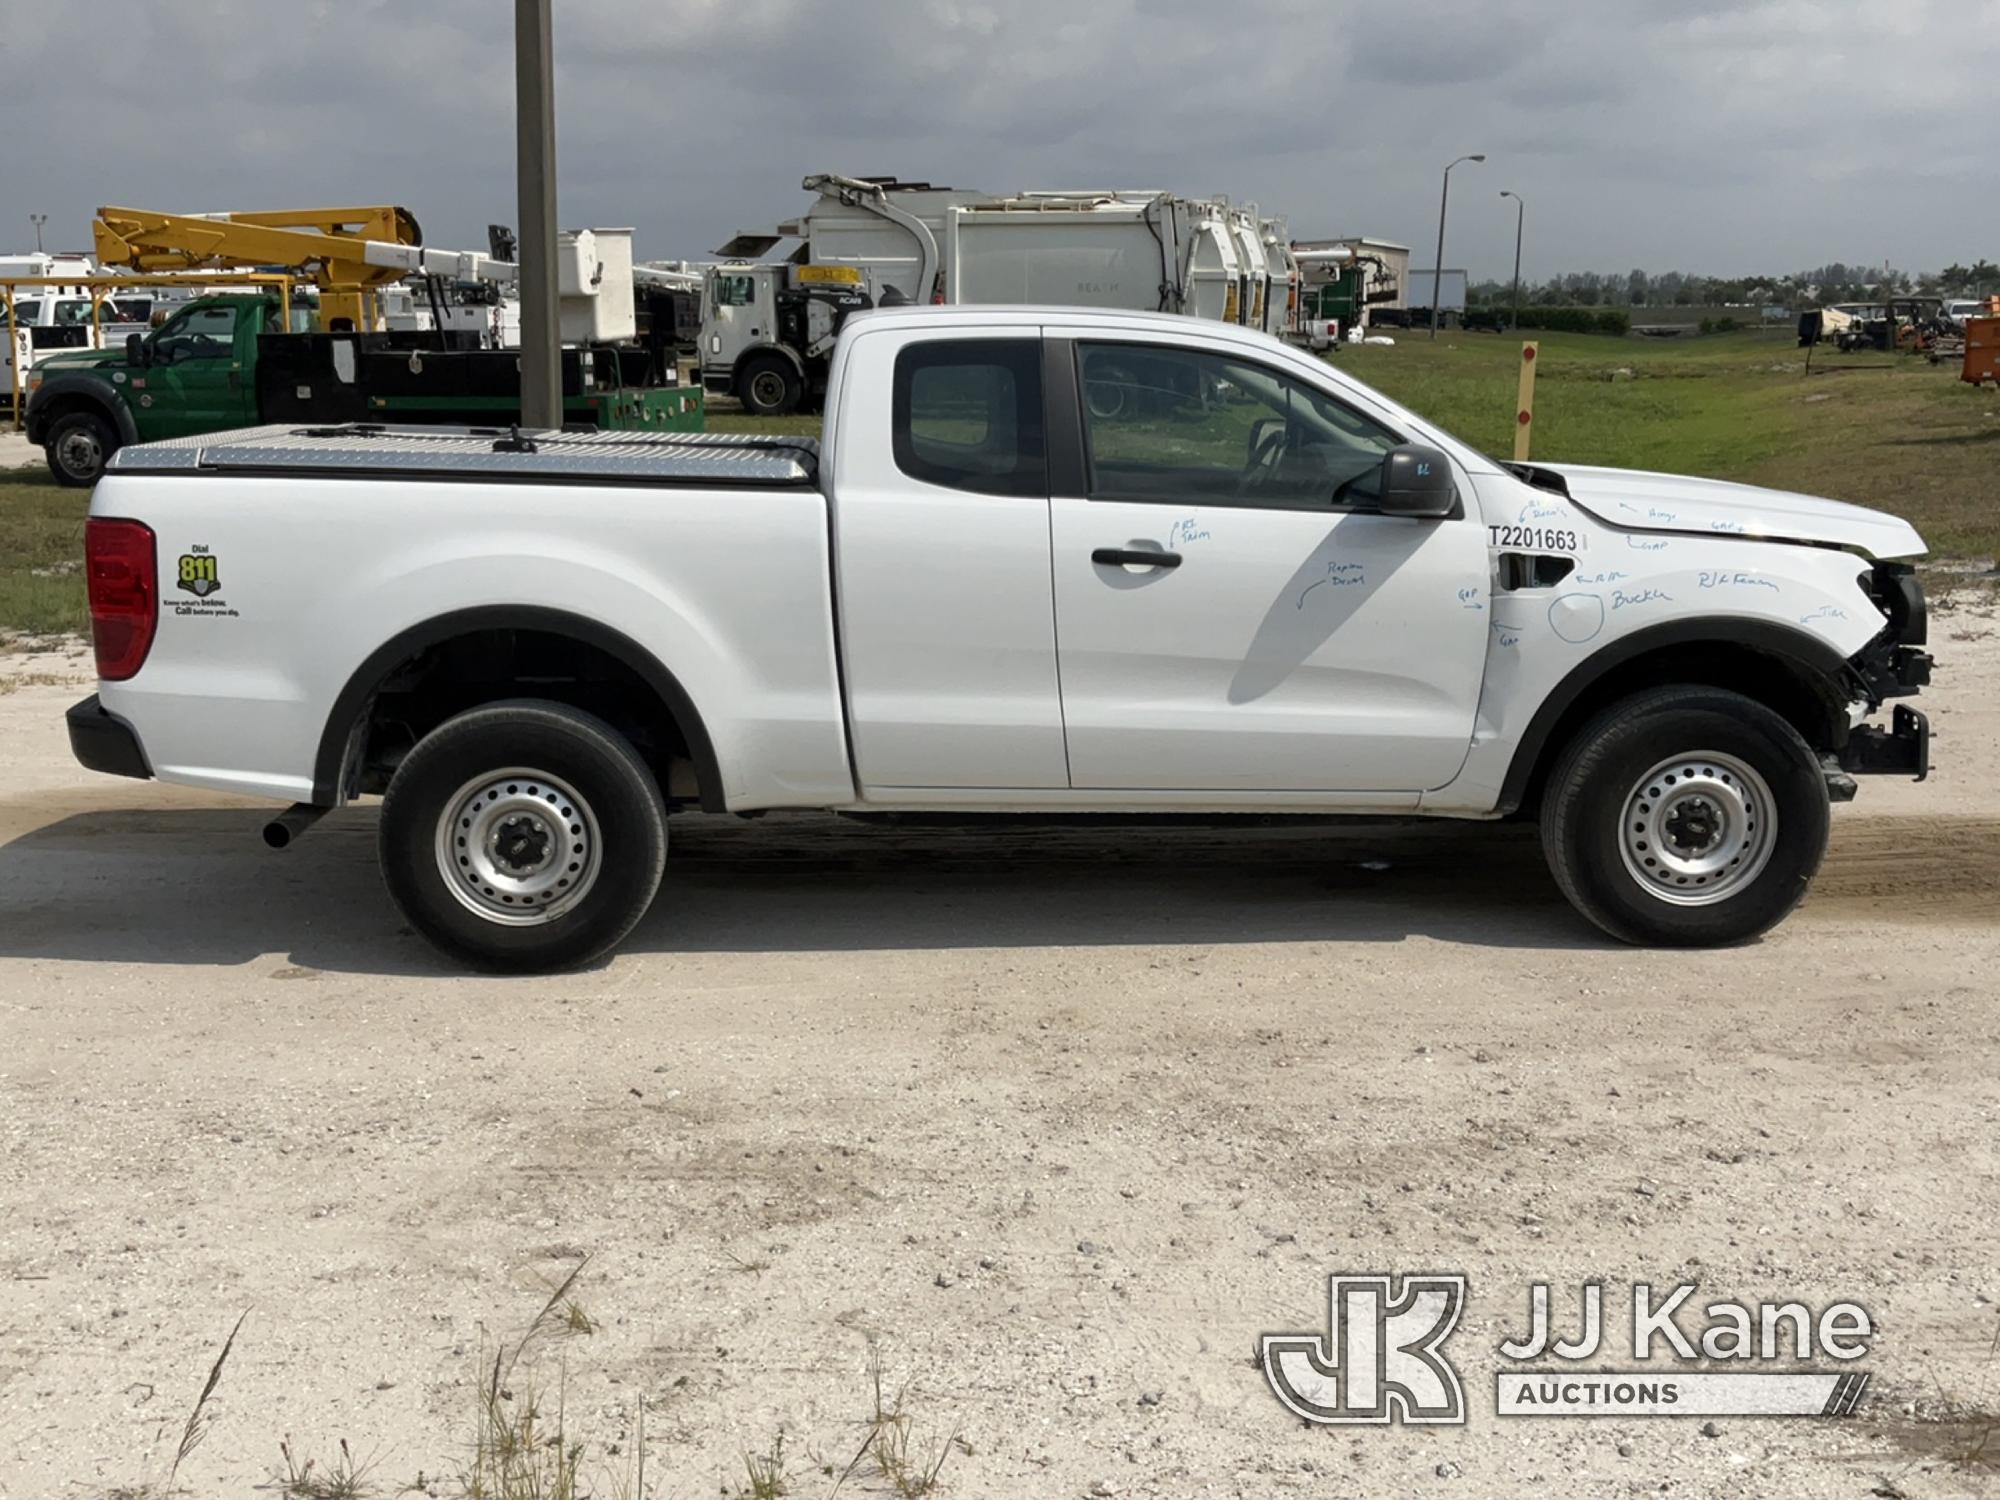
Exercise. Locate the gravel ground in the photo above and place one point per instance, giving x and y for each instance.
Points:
(1046, 1125)
(16, 452)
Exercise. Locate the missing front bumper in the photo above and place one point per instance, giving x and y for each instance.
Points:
(1903, 749)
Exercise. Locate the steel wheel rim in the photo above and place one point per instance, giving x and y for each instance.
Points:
(518, 847)
(767, 387)
(81, 452)
(1698, 828)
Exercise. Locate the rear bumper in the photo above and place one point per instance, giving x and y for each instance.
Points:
(101, 741)
(1903, 749)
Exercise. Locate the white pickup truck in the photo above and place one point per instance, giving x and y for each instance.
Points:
(1048, 561)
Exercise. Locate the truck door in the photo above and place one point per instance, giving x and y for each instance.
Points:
(742, 313)
(201, 377)
(1289, 637)
(946, 609)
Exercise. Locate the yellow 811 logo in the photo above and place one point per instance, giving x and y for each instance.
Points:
(199, 574)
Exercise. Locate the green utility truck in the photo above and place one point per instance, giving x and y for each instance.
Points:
(226, 361)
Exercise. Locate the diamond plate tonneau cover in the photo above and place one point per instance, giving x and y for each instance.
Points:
(489, 453)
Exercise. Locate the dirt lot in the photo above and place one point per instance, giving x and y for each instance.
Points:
(1048, 1125)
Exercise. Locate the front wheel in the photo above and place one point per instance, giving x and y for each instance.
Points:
(769, 386)
(523, 836)
(1685, 817)
(79, 444)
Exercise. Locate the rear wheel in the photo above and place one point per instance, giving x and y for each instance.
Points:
(78, 446)
(1685, 817)
(769, 386)
(523, 836)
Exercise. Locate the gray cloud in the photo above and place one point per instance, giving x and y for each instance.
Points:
(1717, 135)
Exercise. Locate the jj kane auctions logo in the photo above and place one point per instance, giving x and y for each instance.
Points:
(1381, 1359)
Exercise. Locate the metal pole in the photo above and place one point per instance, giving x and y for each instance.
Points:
(38, 220)
(1437, 271)
(1520, 217)
(1437, 266)
(535, 189)
(13, 351)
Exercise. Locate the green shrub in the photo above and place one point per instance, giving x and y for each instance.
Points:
(1577, 320)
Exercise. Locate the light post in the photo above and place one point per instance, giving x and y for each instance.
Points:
(38, 220)
(1520, 215)
(535, 190)
(1437, 273)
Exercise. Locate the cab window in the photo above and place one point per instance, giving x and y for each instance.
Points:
(29, 308)
(196, 333)
(968, 415)
(1188, 426)
(735, 291)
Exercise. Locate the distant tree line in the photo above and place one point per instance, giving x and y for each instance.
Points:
(1837, 282)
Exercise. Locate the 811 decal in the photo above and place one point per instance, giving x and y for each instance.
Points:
(200, 574)
(1536, 538)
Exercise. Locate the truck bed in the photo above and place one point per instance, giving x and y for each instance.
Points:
(328, 550)
(486, 454)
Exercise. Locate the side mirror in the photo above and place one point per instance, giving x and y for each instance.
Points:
(1416, 481)
(135, 349)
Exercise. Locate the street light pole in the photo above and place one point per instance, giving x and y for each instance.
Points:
(1520, 215)
(38, 220)
(535, 191)
(1437, 272)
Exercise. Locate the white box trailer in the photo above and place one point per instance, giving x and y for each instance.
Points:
(1426, 286)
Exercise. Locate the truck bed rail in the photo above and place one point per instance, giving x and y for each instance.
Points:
(484, 454)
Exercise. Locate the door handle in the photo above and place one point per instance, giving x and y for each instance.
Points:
(1138, 557)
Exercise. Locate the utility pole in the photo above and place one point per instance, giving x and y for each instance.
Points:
(38, 220)
(1437, 271)
(1520, 216)
(535, 189)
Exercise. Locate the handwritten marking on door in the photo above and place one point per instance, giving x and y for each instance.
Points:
(1340, 575)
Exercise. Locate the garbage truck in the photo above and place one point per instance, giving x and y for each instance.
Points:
(769, 328)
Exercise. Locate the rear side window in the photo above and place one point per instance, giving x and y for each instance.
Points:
(968, 415)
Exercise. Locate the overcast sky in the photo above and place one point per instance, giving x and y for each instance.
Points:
(1733, 138)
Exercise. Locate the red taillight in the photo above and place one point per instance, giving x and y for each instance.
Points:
(124, 594)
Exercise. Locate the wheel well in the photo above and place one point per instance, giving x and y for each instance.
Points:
(761, 353)
(52, 411)
(413, 685)
(1804, 698)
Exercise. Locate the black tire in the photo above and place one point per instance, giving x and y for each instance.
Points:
(78, 446)
(768, 385)
(533, 753)
(1597, 820)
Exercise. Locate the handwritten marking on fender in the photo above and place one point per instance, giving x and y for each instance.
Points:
(1735, 581)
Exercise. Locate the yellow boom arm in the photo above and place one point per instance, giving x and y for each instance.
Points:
(326, 245)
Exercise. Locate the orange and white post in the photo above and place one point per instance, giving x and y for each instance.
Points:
(1524, 403)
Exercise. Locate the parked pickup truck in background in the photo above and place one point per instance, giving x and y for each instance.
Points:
(1043, 561)
(227, 359)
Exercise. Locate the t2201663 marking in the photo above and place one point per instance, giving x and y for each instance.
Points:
(1536, 538)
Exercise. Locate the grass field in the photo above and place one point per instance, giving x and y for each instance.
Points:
(1889, 431)
(41, 555)
(1882, 430)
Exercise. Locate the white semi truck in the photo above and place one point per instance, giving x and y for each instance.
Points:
(769, 328)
